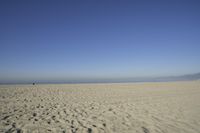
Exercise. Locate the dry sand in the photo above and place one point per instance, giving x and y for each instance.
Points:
(171, 107)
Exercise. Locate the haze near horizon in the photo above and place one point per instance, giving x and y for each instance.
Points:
(80, 40)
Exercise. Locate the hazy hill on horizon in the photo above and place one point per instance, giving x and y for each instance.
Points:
(185, 77)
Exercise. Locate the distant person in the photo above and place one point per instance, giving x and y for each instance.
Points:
(33, 83)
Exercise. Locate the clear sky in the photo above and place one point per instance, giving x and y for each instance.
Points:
(80, 39)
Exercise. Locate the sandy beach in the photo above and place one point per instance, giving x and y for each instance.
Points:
(165, 107)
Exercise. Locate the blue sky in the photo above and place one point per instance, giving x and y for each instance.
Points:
(69, 40)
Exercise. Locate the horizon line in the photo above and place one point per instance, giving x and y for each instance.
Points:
(185, 77)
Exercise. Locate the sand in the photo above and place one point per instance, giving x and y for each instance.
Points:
(165, 107)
